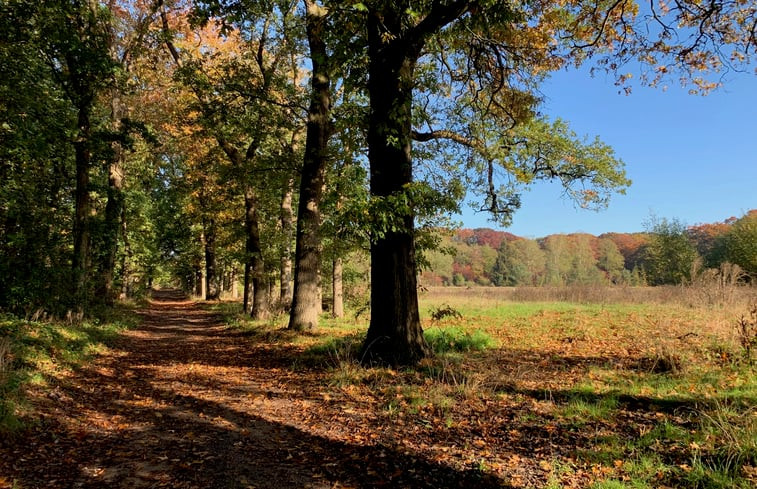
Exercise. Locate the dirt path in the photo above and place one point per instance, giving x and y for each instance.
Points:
(185, 402)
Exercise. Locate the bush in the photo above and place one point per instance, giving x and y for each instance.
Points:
(746, 329)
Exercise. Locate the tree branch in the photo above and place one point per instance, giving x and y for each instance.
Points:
(167, 34)
(602, 27)
(444, 134)
(440, 15)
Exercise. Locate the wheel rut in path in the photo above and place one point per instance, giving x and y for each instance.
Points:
(184, 401)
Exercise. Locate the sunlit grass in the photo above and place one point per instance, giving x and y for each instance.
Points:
(655, 392)
(457, 339)
(34, 352)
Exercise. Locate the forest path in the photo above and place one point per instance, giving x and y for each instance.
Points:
(184, 401)
(174, 403)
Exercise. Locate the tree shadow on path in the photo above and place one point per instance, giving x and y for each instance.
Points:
(182, 402)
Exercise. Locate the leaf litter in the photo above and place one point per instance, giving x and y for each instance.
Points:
(185, 401)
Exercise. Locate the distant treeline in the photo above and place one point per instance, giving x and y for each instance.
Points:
(667, 253)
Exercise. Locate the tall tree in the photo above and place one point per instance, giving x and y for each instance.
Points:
(610, 260)
(506, 48)
(398, 35)
(740, 244)
(244, 102)
(127, 25)
(36, 208)
(307, 274)
(669, 256)
(519, 262)
(72, 38)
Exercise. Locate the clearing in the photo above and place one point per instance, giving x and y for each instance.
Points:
(542, 394)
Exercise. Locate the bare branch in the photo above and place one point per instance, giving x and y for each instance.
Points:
(445, 134)
(596, 39)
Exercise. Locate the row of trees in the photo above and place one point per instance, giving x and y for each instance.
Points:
(144, 140)
(668, 253)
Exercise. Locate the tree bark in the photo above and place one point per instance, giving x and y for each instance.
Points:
(233, 282)
(337, 311)
(394, 336)
(254, 266)
(125, 257)
(203, 283)
(306, 303)
(114, 205)
(83, 156)
(247, 286)
(285, 277)
(199, 289)
(212, 290)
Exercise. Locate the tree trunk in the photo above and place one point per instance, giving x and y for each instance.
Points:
(125, 257)
(114, 205)
(202, 282)
(285, 292)
(337, 310)
(233, 282)
(199, 281)
(80, 262)
(306, 304)
(394, 336)
(247, 285)
(254, 266)
(212, 291)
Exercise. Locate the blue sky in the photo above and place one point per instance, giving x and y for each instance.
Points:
(690, 157)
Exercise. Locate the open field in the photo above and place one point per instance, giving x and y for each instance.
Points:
(533, 393)
(644, 390)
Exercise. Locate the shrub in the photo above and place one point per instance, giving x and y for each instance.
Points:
(444, 311)
(746, 330)
(457, 340)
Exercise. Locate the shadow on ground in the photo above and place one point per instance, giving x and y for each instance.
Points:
(178, 403)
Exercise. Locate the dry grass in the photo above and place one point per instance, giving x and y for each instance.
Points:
(598, 386)
(746, 330)
(701, 293)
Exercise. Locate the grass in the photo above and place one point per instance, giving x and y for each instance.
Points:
(32, 352)
(644, 391)
(650, 365)
(457, 339)
(581, 409)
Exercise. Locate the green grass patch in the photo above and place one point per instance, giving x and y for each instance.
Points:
(713, 474)
(457, 339)
(605, 450)
(334, 350)
(32, 352)
(610, 484)
(583, 409)
(664, 432)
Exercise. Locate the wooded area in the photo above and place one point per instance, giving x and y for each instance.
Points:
(278, 159)
(669, 253)
(206, 142)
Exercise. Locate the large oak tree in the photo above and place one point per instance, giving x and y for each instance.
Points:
(493, 53)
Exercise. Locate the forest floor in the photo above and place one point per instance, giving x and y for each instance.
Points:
(573, 396)
(184, 401)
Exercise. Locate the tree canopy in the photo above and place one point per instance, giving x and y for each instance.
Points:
(158, 140)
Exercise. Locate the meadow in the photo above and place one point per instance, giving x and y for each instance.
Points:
(564, 387)
(597, 387)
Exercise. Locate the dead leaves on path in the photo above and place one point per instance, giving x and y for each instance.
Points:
(185, 402)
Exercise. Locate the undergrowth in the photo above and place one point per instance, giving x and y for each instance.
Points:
(457, 339)
(32, 352)
(635, 395)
